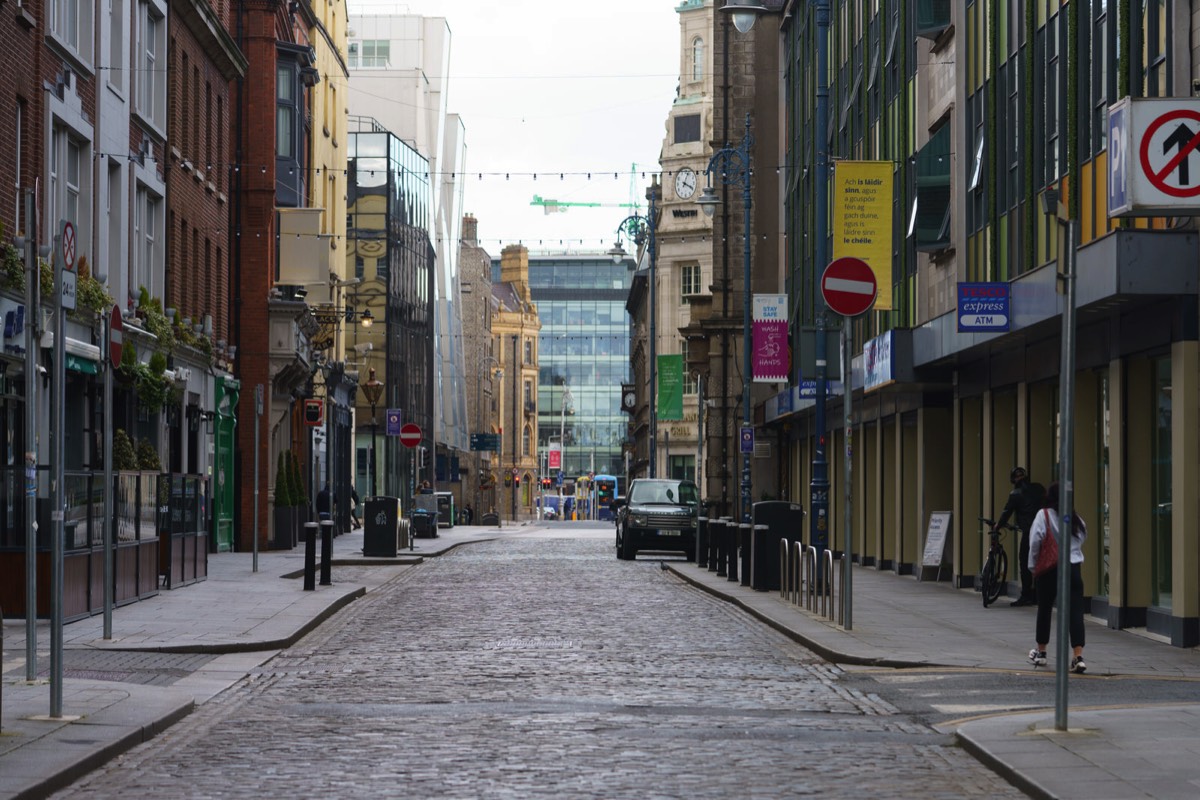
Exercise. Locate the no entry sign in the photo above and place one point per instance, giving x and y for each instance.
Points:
(848, 286)
(410, 434)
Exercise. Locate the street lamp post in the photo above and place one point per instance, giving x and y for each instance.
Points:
(732, 164)
(1066, 446)
(641, 230)
(372, 389)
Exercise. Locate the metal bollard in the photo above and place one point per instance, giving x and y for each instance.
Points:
(702, 541)
(723, 548)
(715, 527)
(738, 551)
(310, 556)
(327, 552)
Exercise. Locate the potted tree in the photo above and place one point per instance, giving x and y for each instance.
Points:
(284, 524)
(299, 497)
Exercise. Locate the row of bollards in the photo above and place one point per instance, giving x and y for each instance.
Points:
(310, 554)
(726, 547)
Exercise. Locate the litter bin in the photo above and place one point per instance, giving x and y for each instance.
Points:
(774, 520)
(445, 509)
(381, 526)
(424, 523)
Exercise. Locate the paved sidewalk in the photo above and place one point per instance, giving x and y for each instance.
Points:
(1108, 753)
(250, 617)
(1128, 752)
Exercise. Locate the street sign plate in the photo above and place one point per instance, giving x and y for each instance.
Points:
(116, 335)
(69, 289)
(848, 286)
(410, 435)
(68, 245)
(747, 440)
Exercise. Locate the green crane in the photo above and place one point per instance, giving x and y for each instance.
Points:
(561, 206)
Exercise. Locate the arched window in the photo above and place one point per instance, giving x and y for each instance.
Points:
(527, 441)
(697, 59)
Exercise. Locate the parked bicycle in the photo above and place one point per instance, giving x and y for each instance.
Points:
(994, 577)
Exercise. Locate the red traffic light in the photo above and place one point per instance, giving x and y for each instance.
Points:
(517, 480)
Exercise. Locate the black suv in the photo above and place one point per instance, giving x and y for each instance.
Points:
(658, 514)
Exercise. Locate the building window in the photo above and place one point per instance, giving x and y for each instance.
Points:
(71, 25)
(689, 282)
(1101, 87)
(375, 53)
(682, 468)
(526, 443)
(697, 59)
(285, 111)
(529, 351)
(151, 86)
(689, 375)
(70, 184)
(116, 44)
(18, 146)
(687, 128)
(1156, 27)
(528, 395)
(147, 239)
(933, 17)
(929, 221)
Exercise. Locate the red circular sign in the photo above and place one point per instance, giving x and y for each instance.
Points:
(1180, 138)
(68, 245)
(848, 286)
(410, 434)
(116, 328)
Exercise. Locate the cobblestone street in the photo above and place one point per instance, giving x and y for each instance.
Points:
(544, 667)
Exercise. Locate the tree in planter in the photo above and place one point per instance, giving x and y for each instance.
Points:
(147, 456)
(90, 291)
(123, 456)
(284, 513)
(283, 495)
(299, 493)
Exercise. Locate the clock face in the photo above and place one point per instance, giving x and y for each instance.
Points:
(630, 399)
(685, 183)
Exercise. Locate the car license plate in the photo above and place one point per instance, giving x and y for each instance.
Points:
(669, 533)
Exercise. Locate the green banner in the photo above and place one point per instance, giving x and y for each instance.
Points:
(670, 388)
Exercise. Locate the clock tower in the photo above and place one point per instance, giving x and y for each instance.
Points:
(684, 234)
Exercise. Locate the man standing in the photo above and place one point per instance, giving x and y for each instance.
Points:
(324, 503)
(1025, 500)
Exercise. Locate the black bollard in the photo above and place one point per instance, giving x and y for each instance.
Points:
(310, 556)
(327, 552)
(702, 541)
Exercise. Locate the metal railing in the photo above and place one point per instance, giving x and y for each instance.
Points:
(808, 580)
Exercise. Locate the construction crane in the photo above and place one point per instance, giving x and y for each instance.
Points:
(561, 206)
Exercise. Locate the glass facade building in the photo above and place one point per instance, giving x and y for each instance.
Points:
(389, 249)
(583, 358)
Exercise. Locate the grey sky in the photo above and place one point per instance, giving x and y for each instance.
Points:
(556, 87)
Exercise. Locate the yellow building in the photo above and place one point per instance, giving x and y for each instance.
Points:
(515, 328)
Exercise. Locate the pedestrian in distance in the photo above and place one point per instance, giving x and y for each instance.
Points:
(324, 503)
(1046, 525)
(1025, 500)
(468, 513)
(354, 504)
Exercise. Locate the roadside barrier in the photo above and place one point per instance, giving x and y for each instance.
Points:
(808, 579)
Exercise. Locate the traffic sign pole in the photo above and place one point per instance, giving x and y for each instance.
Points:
(113, 335)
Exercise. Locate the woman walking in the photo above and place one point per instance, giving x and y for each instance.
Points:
(1045, 526)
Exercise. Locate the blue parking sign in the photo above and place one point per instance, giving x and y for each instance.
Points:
(1119, 156)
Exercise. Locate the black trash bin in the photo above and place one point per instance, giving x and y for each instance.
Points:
(424, 523)
(381, 526)
(779, 520)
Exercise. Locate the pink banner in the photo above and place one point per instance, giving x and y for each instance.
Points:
(770, 351)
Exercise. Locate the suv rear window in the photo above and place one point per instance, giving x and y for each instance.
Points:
(669, 492)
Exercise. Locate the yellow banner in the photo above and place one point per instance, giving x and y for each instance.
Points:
(862, 219)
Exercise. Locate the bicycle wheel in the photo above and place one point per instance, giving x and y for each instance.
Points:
(994, 572)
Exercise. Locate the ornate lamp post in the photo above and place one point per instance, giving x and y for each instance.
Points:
(732, 165)
(641, 230)
(372, 390)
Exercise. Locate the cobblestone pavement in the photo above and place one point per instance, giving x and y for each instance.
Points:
(521, 668)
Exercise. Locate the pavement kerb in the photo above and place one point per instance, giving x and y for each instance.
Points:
(1007, 770)
(84, 765)
(823, 650)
